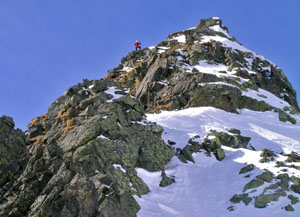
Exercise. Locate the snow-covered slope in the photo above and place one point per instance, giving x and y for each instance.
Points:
(212, 92)
(196, 126)
(204, 185)
(204, 188)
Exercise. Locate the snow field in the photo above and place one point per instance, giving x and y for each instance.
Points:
(203, 188)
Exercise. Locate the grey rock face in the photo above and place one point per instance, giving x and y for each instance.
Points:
(164, 77)
(80, 158)
(13, 152)
(83, 155)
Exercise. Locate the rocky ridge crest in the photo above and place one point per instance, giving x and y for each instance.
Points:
(83, 154)
(202, 66)
(79, 158)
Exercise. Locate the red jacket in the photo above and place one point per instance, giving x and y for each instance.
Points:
(137, 44)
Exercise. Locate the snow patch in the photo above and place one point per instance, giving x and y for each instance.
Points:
(269, 98)
(218, 28)
(204, 188)
(162, 49)
(205, 67)
(111, 91)
(218, 82)
(180, 38)
(119, 167)
(102, 137)
(226, 42)
(271, 134)
(126, 69)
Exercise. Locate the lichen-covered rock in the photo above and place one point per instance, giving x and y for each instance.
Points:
(84, 154)
(13, 152)
(242, 197)
(166, 77)
(219, 154)
(284, 117)
(165, 181)
(187, 153)
(254, 184)
(284, 181)
(296, 184)
(82, 194)
(266, 176)
(253, 104)
(259, 180)
(234, 131)
(275, 187)
(246, 169)
(289, 208)
(293, 157)
(267, 155)
(118, 206)
(235, 199)
(233, 141)
(294, 200)
(263, 199)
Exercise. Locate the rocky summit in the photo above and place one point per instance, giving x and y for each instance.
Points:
(197, 125)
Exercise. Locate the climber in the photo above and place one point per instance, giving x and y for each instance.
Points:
(137, 45)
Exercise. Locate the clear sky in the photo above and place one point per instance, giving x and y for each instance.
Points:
(47, 46)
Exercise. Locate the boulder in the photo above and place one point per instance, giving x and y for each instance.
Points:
(266, 176)
(267, 155)
(294, 200)
(242, 197)
(253, 184)
(263, 199)
(289, 208)
(233, 141)
(165, 181)
(293, 157)
(259, 180)
(246, 169)
(219, 154)
(296, 184)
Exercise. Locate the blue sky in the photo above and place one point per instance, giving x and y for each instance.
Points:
(47, 46)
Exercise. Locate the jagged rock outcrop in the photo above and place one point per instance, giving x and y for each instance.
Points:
(201, 66)
(83, 155)
(13, 152)
(80, 158)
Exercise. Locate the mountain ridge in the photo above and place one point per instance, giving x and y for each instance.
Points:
(95, 151)
(244, 64)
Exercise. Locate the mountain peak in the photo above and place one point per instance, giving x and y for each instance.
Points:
(203, 66)
(209, 22)
(96, 153)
